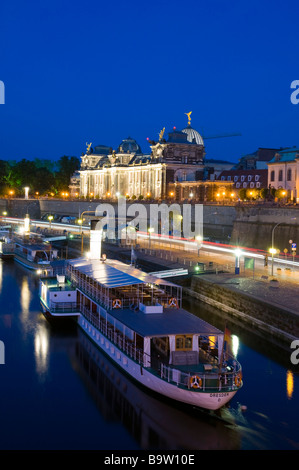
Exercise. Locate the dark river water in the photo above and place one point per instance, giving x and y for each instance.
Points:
(57, 391)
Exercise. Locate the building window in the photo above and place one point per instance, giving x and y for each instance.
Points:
(229, 178)
(249, 178)
(289, 174)
(237, 185)
(272, 175)
(256, 177)
(242, 178)
(222, 178)
(235, 178)
(252, 184)
(258, 184)
(280, 175)
(244, 185)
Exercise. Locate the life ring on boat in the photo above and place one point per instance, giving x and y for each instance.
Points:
(173, 302)
(195, 381)
(116, 303)
(238, 380)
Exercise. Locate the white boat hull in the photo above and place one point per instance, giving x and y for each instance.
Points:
(207, 400)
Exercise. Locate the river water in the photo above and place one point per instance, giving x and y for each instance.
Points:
(57, 391)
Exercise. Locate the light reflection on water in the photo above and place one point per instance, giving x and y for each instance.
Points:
(58, 381)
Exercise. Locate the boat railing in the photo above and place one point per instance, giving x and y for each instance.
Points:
(115, 336)
(221, 381)
(64, 307)
(8, 248)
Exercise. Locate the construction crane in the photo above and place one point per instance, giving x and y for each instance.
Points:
(220, 136)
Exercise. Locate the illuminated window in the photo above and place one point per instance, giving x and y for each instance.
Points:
(183, 342)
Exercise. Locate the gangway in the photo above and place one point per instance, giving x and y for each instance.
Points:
(170, 273)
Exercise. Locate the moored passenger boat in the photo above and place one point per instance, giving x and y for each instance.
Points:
(137, 319)
(33, 253)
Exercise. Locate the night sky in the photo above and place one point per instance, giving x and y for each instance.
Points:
(95, 71)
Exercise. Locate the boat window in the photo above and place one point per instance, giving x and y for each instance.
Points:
(183, 342)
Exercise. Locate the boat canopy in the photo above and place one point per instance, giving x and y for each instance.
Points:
(115, 274)
(170, 322)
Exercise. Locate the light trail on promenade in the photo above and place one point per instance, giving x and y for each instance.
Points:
(191, 245)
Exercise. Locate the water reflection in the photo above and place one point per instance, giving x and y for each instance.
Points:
(25, 298)
(41, 349)
(290, 384)
(151, 420)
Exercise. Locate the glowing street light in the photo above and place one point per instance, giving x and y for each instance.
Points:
(150, 230)
(50, 218)
(27, 224)
(273, 251)
(198, 239)
(26, 189)
(238, 253)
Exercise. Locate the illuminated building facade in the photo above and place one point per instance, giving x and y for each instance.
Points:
(175, 169)
(107, 173)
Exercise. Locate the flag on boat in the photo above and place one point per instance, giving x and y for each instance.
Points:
(227, 342)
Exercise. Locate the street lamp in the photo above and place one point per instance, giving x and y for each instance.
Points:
(50, 218)
(238, 253)
(80, 221)
(26, 189)
(150, 230)
(272, 249)
(199, 241)
(273, 252)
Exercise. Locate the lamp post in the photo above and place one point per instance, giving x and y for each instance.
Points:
(238, 253)
(198, 241)
(272, 249)
(81, 223)
(150, 230)
(26, 189)
(50, 218)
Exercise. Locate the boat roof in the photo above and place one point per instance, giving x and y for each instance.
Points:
(175, 321)
(113, 273)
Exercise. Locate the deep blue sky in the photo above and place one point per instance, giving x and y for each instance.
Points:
(78, 71)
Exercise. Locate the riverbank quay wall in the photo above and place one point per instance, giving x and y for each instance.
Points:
(240, 225)
(275, 321)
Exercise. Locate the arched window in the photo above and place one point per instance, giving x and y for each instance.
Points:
(272, 175)
(289, 174)
(280, 175)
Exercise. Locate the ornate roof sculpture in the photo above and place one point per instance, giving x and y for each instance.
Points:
(192, 135)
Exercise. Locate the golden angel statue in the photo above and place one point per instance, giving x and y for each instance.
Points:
(88, 147)
(161, 133)
(189, 117)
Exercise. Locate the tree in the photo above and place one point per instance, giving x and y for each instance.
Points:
(242, 193)
(264, 193)
(66, 167)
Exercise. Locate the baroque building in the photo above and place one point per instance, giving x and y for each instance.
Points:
(106, 173)
(283, 172)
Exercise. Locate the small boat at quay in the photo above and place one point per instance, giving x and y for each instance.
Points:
(31, 251)
(138, 321)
